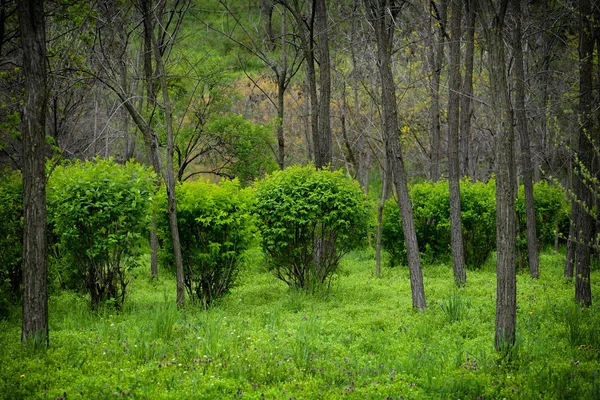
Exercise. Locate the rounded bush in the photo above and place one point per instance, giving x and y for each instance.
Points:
(308, 220)
(215, 229)
(98, 212)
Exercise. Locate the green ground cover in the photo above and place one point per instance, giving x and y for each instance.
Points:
(360, 339)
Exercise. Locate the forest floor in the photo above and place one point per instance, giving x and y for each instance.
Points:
(359, 339)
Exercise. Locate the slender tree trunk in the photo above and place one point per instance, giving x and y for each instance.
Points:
(466, 105)
(169, 175)
(588, 137)
(436, 60)
(33, 130)
(381, 16)
(458, 258)
(526, 163)
(506, 291)
(386, 178)
(323, 141)
(153, 247)
(281, 87)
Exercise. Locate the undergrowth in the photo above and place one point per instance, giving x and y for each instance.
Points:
(359, 339)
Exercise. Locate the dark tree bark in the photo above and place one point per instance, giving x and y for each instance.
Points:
(526, 162)
(282, 83)
(492, 19)
(435, 58)
(587, 161)
(381, 15)
(466, 107)
(454, 83)
(33, 130)
(322, 140)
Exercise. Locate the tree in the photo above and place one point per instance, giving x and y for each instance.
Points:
(454, 84)
(586, 160)
(492, 19)
(466, 107)
(33, 130)
(526, 161)
(435, 58)
(382, 14)
(284, 64)
(322, 139)
(311, 24)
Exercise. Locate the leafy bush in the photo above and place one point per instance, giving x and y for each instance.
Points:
(215, 228)
(551, 211)
(478, 211)
(308, 220)
(11, 236)
(431, 211)
(98, 212)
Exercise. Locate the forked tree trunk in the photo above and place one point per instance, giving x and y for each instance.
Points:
(381, 15)
(526, 162)
(33, 130)
(458, 258)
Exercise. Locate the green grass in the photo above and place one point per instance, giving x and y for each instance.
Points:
(360, 339)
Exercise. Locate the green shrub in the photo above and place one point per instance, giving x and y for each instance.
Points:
(99, 213)
(431, 212)
(308, 220)
(478, 211)
(11, 236)
(215, 229)
(552, 212)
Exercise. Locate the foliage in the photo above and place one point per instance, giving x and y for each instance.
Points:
(215, 228)
(431, 211)
(11, 236)
(98, 212)
(308, 220)
(247, 148)
(361, 340)
(552, 212)
(478, 211)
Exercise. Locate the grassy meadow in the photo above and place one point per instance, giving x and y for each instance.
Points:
(360, 339)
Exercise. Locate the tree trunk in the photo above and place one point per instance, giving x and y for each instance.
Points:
(153, 247)
(386, 178)
(588, 135)
(33, 130)
(281, 87)
(169, 175)
(381, 16)
(506, 289)
(436, 60)
(323, 140)
(454, 83)
(466, 107)
(526, 163)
